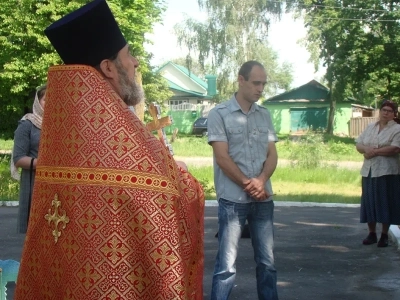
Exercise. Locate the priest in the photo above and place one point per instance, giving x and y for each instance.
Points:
(113, 215)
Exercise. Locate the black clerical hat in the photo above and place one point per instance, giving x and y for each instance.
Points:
(86, 36)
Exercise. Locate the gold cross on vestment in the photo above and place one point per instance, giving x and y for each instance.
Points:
(159, 124)
(57, 218)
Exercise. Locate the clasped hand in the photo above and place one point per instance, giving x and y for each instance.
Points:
(370, 152)
(255, 187)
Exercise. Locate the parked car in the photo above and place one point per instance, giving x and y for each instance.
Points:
(200, 127)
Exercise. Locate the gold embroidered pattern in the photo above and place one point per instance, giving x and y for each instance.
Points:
(164, 256)
(114, 249)
(97, 116)
(56, 218)
(121, 144)
(133, 233)
(88, 276)
(166, 204)
(73, 141)
(141, 225)
(105, 177)
(90, 221)
(139, 279)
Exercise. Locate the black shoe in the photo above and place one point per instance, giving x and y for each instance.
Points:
(383, 241)
(370, 239)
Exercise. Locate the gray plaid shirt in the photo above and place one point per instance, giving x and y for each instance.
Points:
(389, 136)
(247, 136)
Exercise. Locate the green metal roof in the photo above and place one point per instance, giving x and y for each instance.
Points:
(312, 91)
(191, 75)
(184, 70)
(190, 93)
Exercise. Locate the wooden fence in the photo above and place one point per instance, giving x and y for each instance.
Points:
(357, 125)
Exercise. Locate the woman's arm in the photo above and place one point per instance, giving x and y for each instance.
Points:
(25, 162)
(363, 149)
(21, 146)
(387, 151)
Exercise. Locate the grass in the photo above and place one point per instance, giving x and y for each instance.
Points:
(6, 144)
(9, 188)
(331, 147)
(190, 146)
(324, 185)
(309, 181)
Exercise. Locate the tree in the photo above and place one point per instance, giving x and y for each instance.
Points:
(194, 66)
(235, 31)
(26, 53)
(358, 41)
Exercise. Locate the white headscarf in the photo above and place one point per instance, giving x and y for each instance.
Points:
(36, 118)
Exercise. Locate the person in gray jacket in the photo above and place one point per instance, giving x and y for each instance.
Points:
(25, 153)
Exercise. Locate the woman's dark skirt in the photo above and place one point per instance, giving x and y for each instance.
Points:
(380, 199)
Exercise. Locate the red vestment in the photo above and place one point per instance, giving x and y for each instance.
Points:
(112, 216)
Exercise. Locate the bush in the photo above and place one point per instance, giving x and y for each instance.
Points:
(340, 148)
(308, 152)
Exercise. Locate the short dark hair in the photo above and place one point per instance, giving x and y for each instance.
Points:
(246, 68)
(41, 90)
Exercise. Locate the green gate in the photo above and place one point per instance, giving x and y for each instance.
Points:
(308, 118)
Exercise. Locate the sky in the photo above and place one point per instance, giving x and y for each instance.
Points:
(283, 38)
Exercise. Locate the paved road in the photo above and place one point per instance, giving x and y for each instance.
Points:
(318, 254)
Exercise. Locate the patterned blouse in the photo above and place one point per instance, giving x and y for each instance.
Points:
(389, 136)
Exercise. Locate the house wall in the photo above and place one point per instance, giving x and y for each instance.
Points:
(183, 120)
(342, 119)
(281, 118)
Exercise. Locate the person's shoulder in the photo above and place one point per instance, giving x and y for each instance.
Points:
(25, 124)
(219, 107)
(262, 108)
(371, 125)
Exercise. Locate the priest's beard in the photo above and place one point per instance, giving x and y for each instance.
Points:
(130, 92)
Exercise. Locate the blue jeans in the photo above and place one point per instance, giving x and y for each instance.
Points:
(231, 218)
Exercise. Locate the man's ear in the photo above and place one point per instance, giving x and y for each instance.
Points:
(108, 68)
(241, 79)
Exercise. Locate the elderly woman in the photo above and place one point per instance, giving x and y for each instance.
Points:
(25, 153)
(380, 145)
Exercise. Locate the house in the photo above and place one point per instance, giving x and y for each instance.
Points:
(307, 107)
(186, 86)
(193, 97)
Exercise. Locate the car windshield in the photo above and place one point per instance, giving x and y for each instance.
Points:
(201, 121)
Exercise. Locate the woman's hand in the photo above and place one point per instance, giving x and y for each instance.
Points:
(369, 152)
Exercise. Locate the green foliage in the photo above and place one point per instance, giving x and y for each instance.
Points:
(6, 145)
(308, 152)
(235, 32)
(26, 54)
(340, 148)
(357, 41)
(202, 174)
(9, 188)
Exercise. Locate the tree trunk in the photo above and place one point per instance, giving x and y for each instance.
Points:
(332, 109)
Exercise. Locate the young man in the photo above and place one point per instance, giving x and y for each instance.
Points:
(113, 214)
(243, 140)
